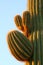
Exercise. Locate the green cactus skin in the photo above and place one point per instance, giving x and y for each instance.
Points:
(18, 22)
(24, 24)
(20, 46)
(27, 21)
(35, 7)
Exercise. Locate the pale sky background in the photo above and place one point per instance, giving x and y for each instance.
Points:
(8, 9)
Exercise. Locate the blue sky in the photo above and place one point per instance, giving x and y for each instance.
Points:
(8, 9)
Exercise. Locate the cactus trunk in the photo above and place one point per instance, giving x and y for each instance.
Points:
(35, 7)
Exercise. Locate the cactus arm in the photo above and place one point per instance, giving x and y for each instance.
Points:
(27, 23)
(18, 22)
(11, 48)
(24, 24)
(20, 46)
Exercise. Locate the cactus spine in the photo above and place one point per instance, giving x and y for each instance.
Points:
(35, 7)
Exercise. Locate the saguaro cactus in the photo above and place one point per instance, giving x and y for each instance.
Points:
(28, 45)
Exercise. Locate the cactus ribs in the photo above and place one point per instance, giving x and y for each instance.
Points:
(24, 24)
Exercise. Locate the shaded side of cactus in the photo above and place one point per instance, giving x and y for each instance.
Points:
(26, 20)
(35, 7)
(20, 46)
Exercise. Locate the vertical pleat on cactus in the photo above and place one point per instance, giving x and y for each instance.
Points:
(20, 46)
(35, 7)
(18, 22)
(26, 21)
